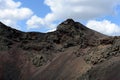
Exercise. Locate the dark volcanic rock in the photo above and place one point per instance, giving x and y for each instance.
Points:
(72, 52)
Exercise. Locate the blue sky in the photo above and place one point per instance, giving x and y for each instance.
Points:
(39, 9)
(37, 6)
(44, 15)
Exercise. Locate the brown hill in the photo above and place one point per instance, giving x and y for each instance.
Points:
(72, 52)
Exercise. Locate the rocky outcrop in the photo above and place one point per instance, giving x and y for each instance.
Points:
(72, 52)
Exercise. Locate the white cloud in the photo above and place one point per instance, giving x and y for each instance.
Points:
(35, 22)
(11, 12)
(76, 9)
(105, 27)
(80, 9)
(84, 9)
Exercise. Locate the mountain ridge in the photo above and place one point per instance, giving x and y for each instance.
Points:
(72, 52)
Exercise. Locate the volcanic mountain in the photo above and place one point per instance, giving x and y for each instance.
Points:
(72, 52)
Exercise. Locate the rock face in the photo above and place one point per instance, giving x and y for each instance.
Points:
(72, 52)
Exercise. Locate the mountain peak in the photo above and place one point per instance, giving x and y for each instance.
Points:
(68, 21)
(70, 25)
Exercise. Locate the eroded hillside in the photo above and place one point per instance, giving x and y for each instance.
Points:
(72, 52)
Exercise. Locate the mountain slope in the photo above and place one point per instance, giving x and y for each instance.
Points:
(72, 52)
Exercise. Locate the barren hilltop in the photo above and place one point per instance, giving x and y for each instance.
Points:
(72, 52)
